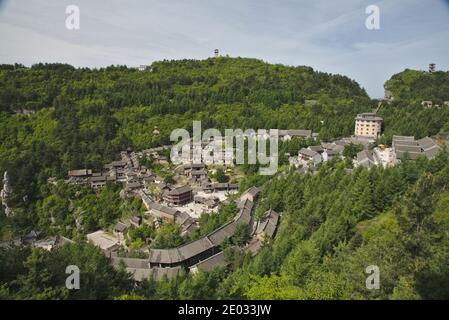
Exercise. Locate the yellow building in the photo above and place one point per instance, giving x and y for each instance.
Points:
(368, 125)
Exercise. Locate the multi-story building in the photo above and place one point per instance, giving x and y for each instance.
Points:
(368, 125)
(179, 196)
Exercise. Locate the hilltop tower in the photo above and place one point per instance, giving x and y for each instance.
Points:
(432, 67)
(216, 53)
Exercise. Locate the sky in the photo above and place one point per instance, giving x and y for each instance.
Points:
(329, 36)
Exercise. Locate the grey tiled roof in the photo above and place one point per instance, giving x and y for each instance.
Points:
(161, 208)
(307, 152)
(180, 190)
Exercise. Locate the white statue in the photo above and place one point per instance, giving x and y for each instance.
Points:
(5, 193)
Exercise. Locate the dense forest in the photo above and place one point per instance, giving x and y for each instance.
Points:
(56, 118)
(334, 224)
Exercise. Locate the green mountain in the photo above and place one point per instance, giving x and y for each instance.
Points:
(334, 224)
(406, 115)
(418, 86)
(85, 117)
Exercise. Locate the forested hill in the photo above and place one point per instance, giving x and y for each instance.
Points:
(84, 117)
(418, 86)
(406, 115)
(334, 223)
(171, 87)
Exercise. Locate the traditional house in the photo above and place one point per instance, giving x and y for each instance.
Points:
(428, 147)
(294, 133)
(319, 149)
(185, 255)
(159, 274)
(254, 246)
(198, 174)
(267, 226)
(406, 146)
(179, 196)
(162, 212)
(193, 167)
(207, 187)
(411, 148)
(133, 186)
(121, 164)
(120, 230)
(209, 202)
(82, 173)
(224, 186)
(164, 187)
(209, 264)
(135, 221)
(365, 159)
(309, 156)
(105, 242)
(138, 268)
(332, 150)
(187, 223)
(120, 174)
(148, 179)
(79, 176)
(98, 181)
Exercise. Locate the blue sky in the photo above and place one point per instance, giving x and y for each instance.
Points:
(328, 35)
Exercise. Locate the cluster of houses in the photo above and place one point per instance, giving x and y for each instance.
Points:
(197, 176)
(286, 134)
(204, 253)
(326, 151)
(407, 145)
(170, 203)
(165, 203)
(128, 170)
(161, 212)
(213, 151)
(429, 104)
(34, 239)
(368, 127)
(402, 146)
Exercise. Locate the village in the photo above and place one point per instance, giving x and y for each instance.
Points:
(193, 193)
(181, 193)
(368, 127)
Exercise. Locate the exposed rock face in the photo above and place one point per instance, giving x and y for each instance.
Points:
(5, 193)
